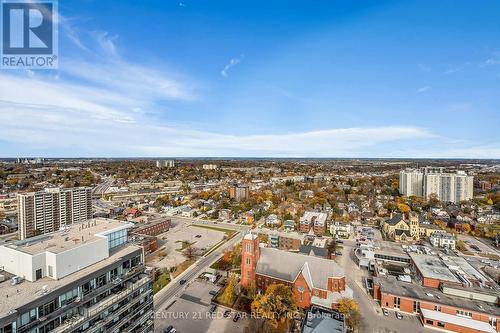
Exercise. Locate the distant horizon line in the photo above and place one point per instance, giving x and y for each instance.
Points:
(223, 158)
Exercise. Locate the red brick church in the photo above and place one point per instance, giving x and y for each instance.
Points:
(313, 280)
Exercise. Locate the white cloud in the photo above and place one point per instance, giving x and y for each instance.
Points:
(493, 60)
(233, 62)
(106, 42)
(423, 89)
(58, 116)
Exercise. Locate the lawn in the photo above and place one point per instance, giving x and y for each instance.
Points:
(182, 267)
(228, 232)
(185, 245)
(161, 281)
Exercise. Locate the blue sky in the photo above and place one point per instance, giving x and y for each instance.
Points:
(262, 78)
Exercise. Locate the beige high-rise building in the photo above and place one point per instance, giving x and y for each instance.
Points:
(239, 192)
(449, 187)
(49, 210)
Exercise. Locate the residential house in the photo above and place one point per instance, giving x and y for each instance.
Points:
(272, 221)
(443, 240)
(289, 225)
(340, 229)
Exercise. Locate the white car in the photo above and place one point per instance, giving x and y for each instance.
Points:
(386, 313)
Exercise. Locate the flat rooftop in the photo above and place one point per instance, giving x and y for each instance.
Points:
(73, 236)
(390, 285)
(13, 297)
(433, 267)
(389, 248)
(318, 217)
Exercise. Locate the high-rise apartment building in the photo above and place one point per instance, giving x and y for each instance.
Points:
(165, 163)
(49, 210)
(411, 182)
(449, 187)
(209, 166)
(86, 278)
(239, 192)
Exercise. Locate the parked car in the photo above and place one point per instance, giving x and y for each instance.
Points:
(386, 313)
(399, 315)
(213, 292)
(213, 308)
(236, 317)
(170, 329)
(227, 313)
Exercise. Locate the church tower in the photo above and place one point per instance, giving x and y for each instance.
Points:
(250, 254)
(414, 227)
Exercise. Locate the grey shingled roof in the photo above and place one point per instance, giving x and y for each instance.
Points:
(394, 220)
(286, 266)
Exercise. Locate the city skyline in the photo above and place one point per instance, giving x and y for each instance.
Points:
(188, 79)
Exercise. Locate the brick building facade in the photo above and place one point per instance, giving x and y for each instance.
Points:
(313, 280)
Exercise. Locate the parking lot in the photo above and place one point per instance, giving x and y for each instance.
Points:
(191, 312)
(475, 246)
(181, 231)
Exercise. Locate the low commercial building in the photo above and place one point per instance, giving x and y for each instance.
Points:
(82, 279)
(154, 229)
(432, 271)
(444, 309)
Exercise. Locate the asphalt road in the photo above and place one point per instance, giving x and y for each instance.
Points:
(165, 297)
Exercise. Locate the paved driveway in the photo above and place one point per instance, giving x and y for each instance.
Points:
(190, 313)
(373, 321)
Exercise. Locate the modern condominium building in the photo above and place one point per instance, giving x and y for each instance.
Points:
(449, 187)
(86, 278)
(49, 210)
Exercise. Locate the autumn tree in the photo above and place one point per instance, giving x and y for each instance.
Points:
(276, 306)
(403, 208)
(350, 309)
(466, 228)
(229, 294)
(189, 252)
